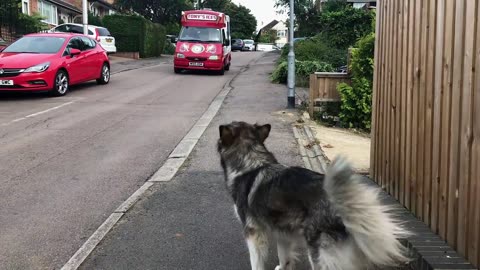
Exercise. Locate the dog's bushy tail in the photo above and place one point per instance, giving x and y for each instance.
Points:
(374, 231)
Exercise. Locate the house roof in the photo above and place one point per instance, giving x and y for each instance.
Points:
(65, 5)
(269, 26)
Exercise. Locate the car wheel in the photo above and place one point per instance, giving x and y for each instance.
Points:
(61, 84)
(104, 75)
(177, 70)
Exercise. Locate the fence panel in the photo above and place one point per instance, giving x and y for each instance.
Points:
(426, 115)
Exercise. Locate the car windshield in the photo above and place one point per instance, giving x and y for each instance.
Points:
(247, 41)
(46, 45)
(200, 34)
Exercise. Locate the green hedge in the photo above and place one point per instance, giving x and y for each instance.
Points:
(303, 69)
(136, 34)
(317, 49)
(356, 108)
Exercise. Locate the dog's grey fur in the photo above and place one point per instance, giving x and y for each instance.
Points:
(339, 219)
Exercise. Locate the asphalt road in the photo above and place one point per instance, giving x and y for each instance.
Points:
(67, 163)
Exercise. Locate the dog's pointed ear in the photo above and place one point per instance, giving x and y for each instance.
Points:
(263, 131)
(226, 134)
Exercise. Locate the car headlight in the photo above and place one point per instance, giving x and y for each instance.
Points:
(214, 57)
(180, 55)
(38, 68)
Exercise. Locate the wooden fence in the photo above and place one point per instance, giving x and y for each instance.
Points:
(426, 114)
(323, 88)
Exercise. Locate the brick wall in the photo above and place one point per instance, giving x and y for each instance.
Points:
(33, 6)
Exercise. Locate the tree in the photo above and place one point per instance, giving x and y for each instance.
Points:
(168, 12)
(157, 11)
(242, 20)
(269, 36)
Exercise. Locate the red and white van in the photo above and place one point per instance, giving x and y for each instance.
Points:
(204, 42)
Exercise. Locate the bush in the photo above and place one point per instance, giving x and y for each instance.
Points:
(343, 28)
(356, 108)
(136, 34)
(94, 20)
(317, 49)
(169, 48)
(303, 69)
(27, 24)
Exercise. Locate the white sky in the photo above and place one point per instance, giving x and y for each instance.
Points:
(263, 10)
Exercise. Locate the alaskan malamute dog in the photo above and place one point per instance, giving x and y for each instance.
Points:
(339, 220)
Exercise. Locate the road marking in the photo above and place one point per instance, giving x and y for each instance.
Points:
(38, 113)
(164, 174)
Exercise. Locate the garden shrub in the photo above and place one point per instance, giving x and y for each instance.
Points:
(169, 48)
(317, 49)
(356, 99)
(134, 33)
(303, 69)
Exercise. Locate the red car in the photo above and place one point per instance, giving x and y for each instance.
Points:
(52, 62)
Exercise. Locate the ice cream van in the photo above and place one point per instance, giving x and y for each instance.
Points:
(204, 42)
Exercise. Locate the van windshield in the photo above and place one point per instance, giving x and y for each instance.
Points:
(200, 34)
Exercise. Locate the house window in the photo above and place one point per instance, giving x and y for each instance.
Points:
(281, 33)
(48, 11)
(26, 7)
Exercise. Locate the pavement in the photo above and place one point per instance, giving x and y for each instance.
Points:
(188, 222)
(338, 141)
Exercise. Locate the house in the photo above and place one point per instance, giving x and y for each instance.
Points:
(363, 3)
(102, 7)
(66, 11)
(281, 29)
(282, 33)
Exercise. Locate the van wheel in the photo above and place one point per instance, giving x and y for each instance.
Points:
(222, 71)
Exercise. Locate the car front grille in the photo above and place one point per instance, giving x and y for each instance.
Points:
(10, 72)
(197, 58)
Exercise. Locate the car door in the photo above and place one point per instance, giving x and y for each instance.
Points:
(92, 66)
(75, 64)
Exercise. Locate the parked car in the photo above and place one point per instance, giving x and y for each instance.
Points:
(100, 34)
(172, 38)
(265, 47)
(52, 62)
(237, 45)
(249, 45)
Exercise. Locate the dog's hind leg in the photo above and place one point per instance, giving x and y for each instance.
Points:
(286, 253)
(257, 242)
(313, 257)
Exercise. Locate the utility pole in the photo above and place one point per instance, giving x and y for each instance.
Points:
(85, 17)
(291, 62)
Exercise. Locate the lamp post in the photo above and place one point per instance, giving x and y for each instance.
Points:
(85, 17)
(291, 62)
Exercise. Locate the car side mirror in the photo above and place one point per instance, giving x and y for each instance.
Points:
(173, 39)
(226, 42)
(74, 52)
